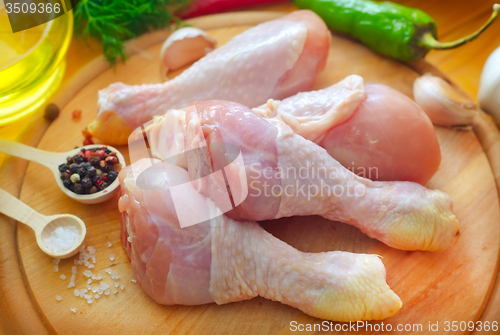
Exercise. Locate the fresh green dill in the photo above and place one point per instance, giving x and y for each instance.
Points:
(115, 21)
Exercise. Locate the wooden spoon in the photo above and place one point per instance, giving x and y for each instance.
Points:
(41, 224)
(52, 160)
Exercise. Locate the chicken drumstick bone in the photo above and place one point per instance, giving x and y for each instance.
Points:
(224, 260)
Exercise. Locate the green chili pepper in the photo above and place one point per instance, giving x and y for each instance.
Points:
(391, 29)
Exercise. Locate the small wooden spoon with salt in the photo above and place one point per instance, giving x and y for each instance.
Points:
(59, 236)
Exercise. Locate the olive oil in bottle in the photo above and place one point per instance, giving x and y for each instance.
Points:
(31, 64)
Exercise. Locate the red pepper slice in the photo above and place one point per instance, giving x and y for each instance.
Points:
(205, 7)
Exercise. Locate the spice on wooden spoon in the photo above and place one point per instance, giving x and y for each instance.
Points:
(59, 236)
(53, 161)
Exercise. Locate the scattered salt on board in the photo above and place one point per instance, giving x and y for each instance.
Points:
(96, 291)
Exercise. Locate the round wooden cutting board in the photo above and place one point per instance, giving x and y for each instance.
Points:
(453, 285)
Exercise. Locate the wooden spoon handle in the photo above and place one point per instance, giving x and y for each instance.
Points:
(46, 158)
(18, 210)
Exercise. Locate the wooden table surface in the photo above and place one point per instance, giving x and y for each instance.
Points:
(455, 18)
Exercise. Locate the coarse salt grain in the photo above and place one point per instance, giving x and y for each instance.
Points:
(71, 284)
(62, 239)
(56, 268)
(99, 290)
(110, 244)
(58, 298)
(129, 239)
(56, 261)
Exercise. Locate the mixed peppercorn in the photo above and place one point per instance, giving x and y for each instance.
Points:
(90, 171)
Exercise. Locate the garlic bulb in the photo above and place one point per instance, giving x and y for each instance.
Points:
(489, 86)
(184, 46)
(444, 103)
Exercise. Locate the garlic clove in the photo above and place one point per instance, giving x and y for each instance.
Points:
(489, 86)
(184, 46)
(444, 103)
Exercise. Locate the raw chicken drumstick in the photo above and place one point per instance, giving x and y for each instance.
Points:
(374, 130)
(287, 175)
(223, 260)
(275, 59)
